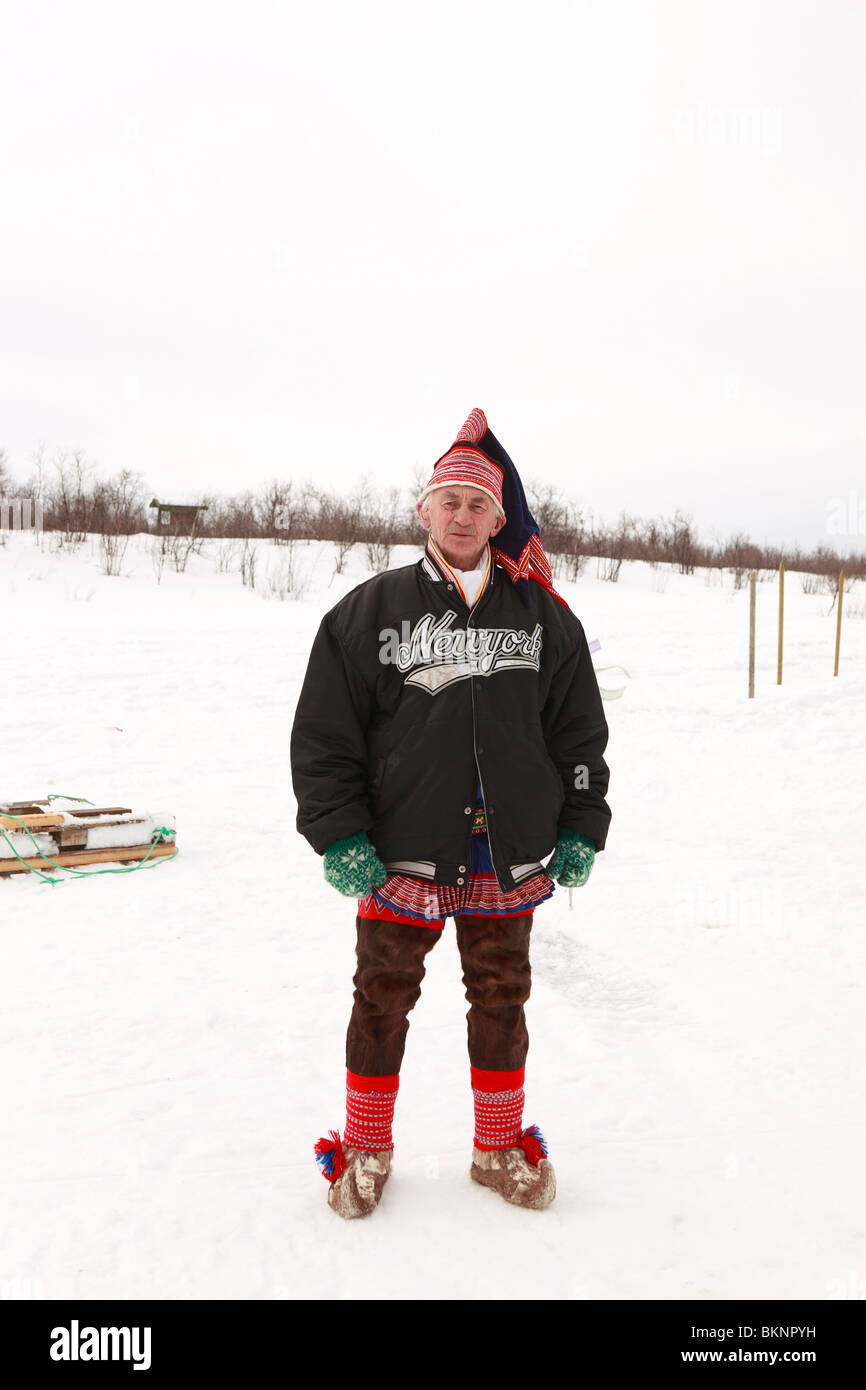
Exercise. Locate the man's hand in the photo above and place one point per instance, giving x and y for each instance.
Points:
(352, 867)
(571, 863)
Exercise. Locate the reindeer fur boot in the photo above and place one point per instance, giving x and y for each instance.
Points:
(523, 1174)
(356, 1176)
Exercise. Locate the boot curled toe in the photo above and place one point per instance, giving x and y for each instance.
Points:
(509, 1172)
(358, 1190)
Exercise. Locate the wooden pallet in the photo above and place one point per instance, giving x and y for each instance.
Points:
(70, 837)
(121, 855)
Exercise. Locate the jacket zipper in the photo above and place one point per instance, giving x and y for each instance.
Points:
(475, 754)
(470, 611)
(483, 798)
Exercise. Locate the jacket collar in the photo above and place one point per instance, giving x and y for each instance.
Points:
(437, 568)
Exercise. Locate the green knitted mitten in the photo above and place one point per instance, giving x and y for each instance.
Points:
(352, 867)
(571, 863)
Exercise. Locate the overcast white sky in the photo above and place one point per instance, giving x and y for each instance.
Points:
(252, 239)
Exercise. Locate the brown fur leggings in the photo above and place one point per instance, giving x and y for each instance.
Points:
(494, 952)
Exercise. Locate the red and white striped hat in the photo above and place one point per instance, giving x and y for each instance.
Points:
(465, 466)
(477, 459)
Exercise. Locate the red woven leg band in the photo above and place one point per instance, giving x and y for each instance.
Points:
(370, 1111)
(498, 1097)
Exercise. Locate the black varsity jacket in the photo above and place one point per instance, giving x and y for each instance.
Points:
(409, 698)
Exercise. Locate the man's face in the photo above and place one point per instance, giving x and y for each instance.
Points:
(461, 520)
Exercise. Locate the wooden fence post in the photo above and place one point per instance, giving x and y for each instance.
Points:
(752, 587)
(781, 618)
(839, 619)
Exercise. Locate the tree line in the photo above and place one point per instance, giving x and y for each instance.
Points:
(77, 502)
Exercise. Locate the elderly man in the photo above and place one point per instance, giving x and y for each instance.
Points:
(449, 735)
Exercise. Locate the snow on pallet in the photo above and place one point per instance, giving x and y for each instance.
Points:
(68, 835)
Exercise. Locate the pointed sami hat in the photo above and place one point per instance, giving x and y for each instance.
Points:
(477, 459)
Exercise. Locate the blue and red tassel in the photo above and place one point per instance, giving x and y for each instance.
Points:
(533, 1144)
(330, 1156)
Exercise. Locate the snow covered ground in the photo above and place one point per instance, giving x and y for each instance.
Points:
(173, 1040)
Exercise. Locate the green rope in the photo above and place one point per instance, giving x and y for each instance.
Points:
(161, 833)
(58, 796)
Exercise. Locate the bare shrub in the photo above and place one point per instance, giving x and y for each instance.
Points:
(345, 519)
(831, 589)
(740, 556)
(67, 498)
(856, 606)
(341, 554)
(287, 578)
(827, 584)
(388, 531)
(116, 510)
(112, 550)
(180, 546)
(551, 512)
(562, 527)
(574, 567)
(649, 536)
(608, 567)
(378, 556)
(273, 512)
(116, 505)
(236, 517)
(228, 557)
(611, 547)
(157, 556)
(681, 542)
(557, 565)
(248, 564)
